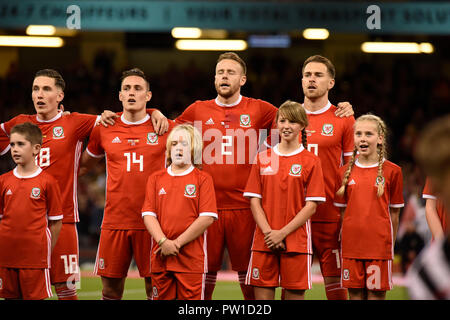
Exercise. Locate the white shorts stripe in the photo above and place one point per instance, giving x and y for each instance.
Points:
(48, 285)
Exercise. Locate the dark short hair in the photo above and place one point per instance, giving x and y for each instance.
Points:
(134, 72)
(50, 73)
(30, 131)
(235, 57)
(318, 58)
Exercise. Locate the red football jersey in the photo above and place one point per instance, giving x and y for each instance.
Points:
(61, 150)
(231, 137)
(428, 194)
(177, 200)
(25, 205)
(4, 141)
(367, 228)
(133, 152)
(285, 183)
(330, 138)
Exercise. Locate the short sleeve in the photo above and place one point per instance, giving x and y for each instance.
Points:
(2, 204)
(427, 192)
(253, 188)
(4, 141)
(149, 208)
(348, 140)
(84, 124)
(207, 202)
(94, 148)
(188, 115)
(396, 190)
(54, 198)
(315, 188)
(339, 201)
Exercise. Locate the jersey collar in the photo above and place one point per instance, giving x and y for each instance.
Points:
(58, 115)
(184, 173)
(320, 111)
(135, 123)
(229, 105)
(275, 149)
(357, 163)
(35, 174)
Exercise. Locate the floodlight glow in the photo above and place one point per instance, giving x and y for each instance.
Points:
(426, 47)
(397, 47)
(192, 33)
(28, 41)
(211, 45)
(40, 30)
(315, 34)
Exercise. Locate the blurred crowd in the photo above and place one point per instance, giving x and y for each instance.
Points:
(407, 91)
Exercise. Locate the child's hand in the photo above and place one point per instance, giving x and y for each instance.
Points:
(274, 238)
(279, 247)
(168, 248)
(107, 118)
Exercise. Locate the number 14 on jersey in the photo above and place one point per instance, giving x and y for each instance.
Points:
(134, 159)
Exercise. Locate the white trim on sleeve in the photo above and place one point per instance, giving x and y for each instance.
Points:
(149, 213)
(252, 195)
(340, 205)
(317, 199)
(94, 155)
(209, 214)
(398, 205)
(348, 154)
(55, 217)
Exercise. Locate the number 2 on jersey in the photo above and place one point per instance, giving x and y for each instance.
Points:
(227, 141)
(133, 159)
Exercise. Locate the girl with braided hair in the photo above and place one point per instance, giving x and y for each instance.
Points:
(369, 193)
(284, 193)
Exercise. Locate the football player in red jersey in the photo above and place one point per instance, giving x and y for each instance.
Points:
(133, 151)
(63, 136)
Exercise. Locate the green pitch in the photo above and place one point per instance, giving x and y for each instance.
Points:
(91, 288)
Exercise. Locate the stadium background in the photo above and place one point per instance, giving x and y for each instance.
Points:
(406, 90)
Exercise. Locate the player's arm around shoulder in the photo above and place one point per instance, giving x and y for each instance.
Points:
(344, 110)
(91, 155)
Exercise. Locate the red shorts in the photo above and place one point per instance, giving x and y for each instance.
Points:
(178, 285)
(116, 248)
(326, 247)
(234, 229)
(64, 263)
(291, 271)
(27, 284)
(375, 275)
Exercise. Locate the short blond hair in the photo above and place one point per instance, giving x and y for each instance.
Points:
(235, 57)
(196, 143)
